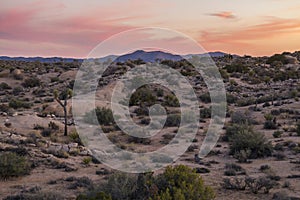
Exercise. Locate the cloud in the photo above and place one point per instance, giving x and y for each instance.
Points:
(257, 39)
(224, 15)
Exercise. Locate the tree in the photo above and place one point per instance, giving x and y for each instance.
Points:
(62, 100)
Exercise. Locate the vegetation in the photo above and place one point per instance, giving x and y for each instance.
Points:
(13, 165)
(254, 144)
(62, 100)
(104, 116)
(179, 182)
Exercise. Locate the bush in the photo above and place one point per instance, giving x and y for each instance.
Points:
(253, 184)
(298, 129)
(277, 134)
(248, 140)
(13, 165)
(142, 96)
(16, 104)
(104, 116)
(205, 98)
(31, 82)
(173, 120)
(172, 101)
(4, 86)
(181, 182)
(17, 90)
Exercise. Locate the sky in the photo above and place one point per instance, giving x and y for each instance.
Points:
(73, 28)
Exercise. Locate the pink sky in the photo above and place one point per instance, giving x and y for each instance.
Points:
(73, 28)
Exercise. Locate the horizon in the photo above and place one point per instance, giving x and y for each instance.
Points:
(56, 29)
(79, 58)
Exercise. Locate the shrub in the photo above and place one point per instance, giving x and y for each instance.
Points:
(277, 134)
(17, 90)
(13, 165)
(205, 98)
(4, 86)
(248, 140)
(277, 58)
(16, 104)
(173, 120)
(298, 129)
(205, 113)
(181, 182)
(87, 160)
(31, 82)
(104, 116)
(172, 101)
(4, 108)
(142, 96)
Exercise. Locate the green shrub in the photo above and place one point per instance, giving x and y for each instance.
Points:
(16, 104)
(248, 140)
(104, 116)
(298, 129)
(13, 165)
(142, 96)
(277, 134)
(173, 120)
(31, 82)
(172, 101)
(4, 86)
(277, 57)
(181, 182)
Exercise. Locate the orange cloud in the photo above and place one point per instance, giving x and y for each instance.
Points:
(224, 15)
(254, 39)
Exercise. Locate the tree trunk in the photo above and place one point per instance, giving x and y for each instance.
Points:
(66, 121)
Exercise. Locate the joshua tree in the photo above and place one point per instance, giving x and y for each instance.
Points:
(62, 99)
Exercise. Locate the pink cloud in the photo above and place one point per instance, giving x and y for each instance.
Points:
(224, 15)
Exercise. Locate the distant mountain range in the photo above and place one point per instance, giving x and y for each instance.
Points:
(151, 56)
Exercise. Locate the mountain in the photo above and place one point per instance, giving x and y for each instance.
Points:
(211, 54)
(40, 59)
(147, 56)
(151, 56)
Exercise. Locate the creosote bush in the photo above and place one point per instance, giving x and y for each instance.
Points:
(178, 182)
(13, 165)
(246, 140)
(104, 116)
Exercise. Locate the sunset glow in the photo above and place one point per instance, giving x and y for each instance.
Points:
(74, 28)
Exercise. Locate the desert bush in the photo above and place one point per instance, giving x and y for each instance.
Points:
(248, 140)
(46, 132)
(173, 120)
(4, 108)
(205, 98)
(233, 170)
(17, 90)
(142, 96)
(277, 58)
(253, 184)
(181, 182)
(53, 126)
(16, 104)
(298, 129)
(277, 134)
(205, 113)
(86, 160)
(104, 116)
(171, 100)
(4, 86)
(13, 165)
(31, 82)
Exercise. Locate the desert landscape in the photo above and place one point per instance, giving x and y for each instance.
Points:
(256, 157)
